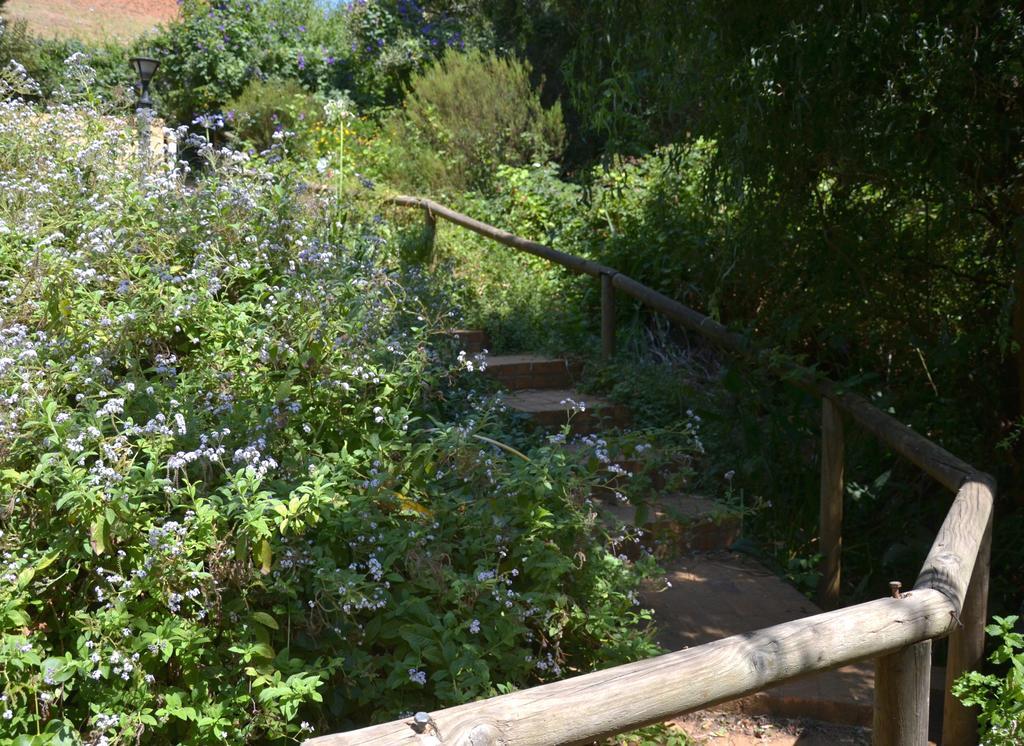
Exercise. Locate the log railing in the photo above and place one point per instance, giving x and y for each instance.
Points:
(948, 598)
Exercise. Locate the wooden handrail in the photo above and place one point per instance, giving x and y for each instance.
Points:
(602, 703)
(575, 263)
(949, 470)
(948, 597)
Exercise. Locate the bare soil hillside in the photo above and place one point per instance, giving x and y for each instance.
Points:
(93, 19)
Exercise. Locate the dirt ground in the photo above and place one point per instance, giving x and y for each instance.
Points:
(92, 19)
(728, 729)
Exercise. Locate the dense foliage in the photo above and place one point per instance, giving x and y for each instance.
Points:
(474, 112)
(843, 181)
(269, 107)
(217, 47)
(246, 494)
(862, 153)
(999, 697)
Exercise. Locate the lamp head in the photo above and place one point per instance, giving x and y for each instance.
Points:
(145, 67)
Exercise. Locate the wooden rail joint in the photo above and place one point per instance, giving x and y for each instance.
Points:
(960, 542)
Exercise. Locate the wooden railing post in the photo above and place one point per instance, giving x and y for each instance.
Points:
(830, 535)
(430, 228)
(607, 317)
(966, 649)
(901, 696)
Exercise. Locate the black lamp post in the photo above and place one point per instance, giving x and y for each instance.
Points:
(145, 67)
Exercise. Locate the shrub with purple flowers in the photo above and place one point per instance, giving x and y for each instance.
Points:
(216, 48)
(251, 490)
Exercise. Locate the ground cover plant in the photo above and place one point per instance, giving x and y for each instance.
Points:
(244, 494)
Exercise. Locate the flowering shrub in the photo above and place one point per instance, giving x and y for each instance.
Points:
(389, 41)
(249, 492)
(216, 47)
(371, 47)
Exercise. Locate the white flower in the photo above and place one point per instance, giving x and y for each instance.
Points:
(340, 108)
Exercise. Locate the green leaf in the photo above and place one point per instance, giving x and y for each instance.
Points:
(263, 650)
(25, 577)
(418, 636)
(96, 538)
(273, 692)
(266, 556)
(265, 619)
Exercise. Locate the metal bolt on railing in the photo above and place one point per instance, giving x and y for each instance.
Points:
(420, 721)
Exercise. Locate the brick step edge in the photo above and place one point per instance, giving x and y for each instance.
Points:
(544, 409)
(471, 341)
(518, 372)
(693, 524)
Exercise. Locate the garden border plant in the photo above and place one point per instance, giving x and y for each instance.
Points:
(247, 496)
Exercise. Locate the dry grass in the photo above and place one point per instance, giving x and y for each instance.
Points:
(93, 20)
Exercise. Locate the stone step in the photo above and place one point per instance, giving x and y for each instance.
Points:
(676, 524)
(721, 594)
(471, 341)
(516, 372)
(549, 408)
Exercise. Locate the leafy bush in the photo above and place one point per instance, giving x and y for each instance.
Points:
(216, 48)
(390, 40)
(476, 111)
(39, 69)
(15, 42)
(267, 107)
(100, 71)
(1000, 698)
(244, 494)
(101, 75)
(525, 303)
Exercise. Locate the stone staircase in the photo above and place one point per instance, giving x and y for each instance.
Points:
(710, 591)
(542, 389)
(677, 524)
